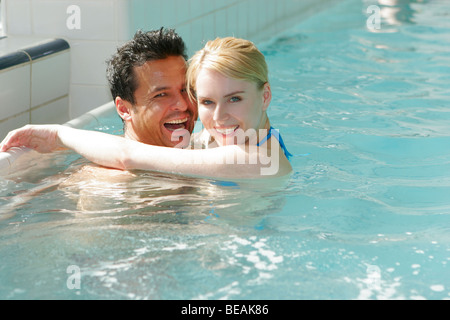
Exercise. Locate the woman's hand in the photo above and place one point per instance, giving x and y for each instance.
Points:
(42, 138)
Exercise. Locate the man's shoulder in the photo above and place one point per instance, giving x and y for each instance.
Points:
(93, 173)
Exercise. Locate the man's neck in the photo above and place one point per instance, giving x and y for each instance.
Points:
(129, 135)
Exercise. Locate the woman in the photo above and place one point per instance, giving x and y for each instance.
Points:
(229, 80)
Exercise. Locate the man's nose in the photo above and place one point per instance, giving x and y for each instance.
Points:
(181, 103)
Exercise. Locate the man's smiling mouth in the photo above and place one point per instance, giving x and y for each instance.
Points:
(176, 124)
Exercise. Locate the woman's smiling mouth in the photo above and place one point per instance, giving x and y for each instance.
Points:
(226, 131)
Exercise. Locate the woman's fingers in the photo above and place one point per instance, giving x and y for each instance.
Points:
(42, 138)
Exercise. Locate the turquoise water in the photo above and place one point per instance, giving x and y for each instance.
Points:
(365, 215)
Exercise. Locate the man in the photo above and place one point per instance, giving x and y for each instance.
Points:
(147, 81)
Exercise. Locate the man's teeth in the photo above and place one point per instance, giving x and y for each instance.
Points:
(226, 131)
(177, 121)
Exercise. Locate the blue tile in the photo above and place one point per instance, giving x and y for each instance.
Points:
(13, 59)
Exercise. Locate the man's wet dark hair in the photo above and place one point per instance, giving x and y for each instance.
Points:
(145, 46)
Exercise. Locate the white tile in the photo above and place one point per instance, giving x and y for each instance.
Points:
(52, 18)
(49, 17)
(2, 18)
(123, 20)
(88, 61)
(15, 43)
(86, 98)
(13, 123)
(56, 111)
(18, 17)
(50, 77)
(97, 20)
(14, 91)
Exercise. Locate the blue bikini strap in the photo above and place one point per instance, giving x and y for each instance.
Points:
(277, 135)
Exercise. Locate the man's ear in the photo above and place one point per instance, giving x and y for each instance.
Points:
(267, 96)
(123, 108)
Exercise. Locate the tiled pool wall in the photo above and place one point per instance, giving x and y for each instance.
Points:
(34, 82)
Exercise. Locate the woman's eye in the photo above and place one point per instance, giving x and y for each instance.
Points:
(235, 99)
(206, 102)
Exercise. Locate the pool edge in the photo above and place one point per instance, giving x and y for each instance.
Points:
(92, 117)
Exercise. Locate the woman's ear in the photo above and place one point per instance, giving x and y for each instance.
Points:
(123, 108)
(267, 96)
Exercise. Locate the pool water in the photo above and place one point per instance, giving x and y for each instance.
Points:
(365, 214)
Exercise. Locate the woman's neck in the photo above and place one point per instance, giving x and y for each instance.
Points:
(264, 128)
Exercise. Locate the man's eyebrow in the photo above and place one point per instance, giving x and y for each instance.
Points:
(158, 89)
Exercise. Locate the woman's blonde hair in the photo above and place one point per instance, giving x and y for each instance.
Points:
(232, 57)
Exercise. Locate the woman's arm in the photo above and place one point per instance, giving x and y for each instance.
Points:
(121, 153)
(95, 146)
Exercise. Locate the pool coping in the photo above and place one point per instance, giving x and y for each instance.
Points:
(89, 119)
(31, 53)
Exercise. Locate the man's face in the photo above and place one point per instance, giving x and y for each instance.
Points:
(162, 104)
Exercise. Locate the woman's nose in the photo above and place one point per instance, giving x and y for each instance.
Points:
(219, 113)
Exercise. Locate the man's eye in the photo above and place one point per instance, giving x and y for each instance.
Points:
(162, 94)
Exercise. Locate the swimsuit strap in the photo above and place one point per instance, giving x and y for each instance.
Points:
(277, 135)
